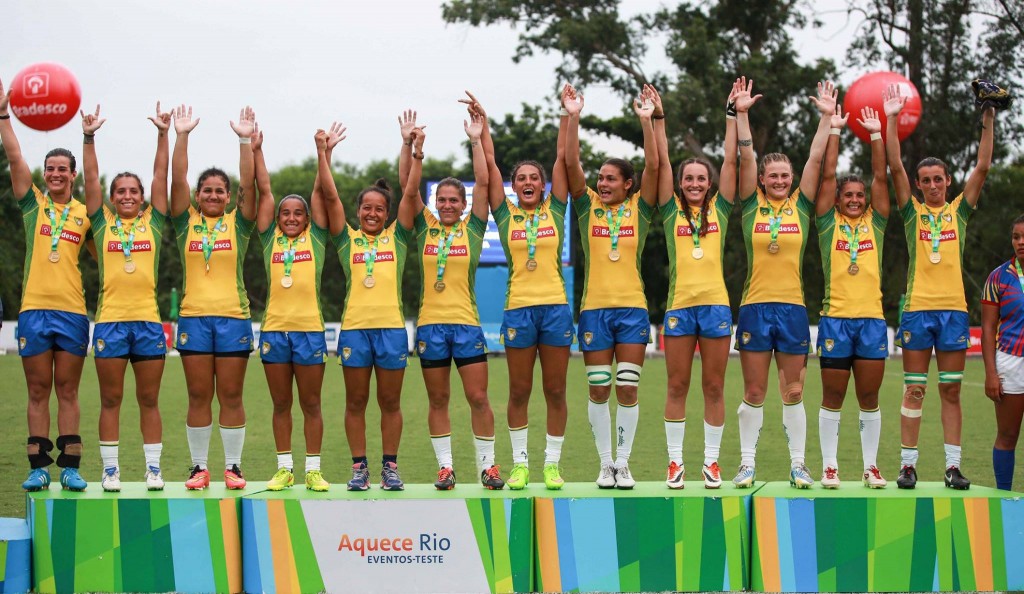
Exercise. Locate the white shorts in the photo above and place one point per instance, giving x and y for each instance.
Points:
(1011, 372)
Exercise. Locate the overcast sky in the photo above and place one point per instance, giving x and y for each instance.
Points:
(300, 65)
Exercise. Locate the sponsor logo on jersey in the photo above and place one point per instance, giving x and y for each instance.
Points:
(687, 230)
(785, 228)
(599, 231)
(456, 250)
(65, 235)
(926, 235)
(218, 246)
(360, 257)
(137, 246)
(79, 221)
(864, 246)
(435, 232)
(520, 234)
(303, 256)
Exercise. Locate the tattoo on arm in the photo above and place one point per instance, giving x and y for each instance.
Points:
(747, 142)
(241, 196)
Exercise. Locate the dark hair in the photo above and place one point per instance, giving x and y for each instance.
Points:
(931, 162)
(1017, 221)
(305, 205)
(848, 179)
(451, 181)
(213, 172)
(62, 152)
(625, 169)
(702, 231)
(123, 175)
(381, 187)
(532, 163)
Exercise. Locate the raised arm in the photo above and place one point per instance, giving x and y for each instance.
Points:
(316, 200)
(246, 167)
(93, 190)
(893, 104)
(559, 177)
(412, 200)
(827, 190)
(474, 129)
(573, 165)
(495, 184)
(332, 202)
(21, 174)
(266, 205)
(666, 181)
(972, 189)
(748, 160)
(643, 107)
(879, 182)
(181, 194)
(406, 123)
(825, 102)
(158, 191)
(727, 176)
(989, 339)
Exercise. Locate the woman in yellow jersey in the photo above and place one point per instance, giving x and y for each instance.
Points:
(698, 310)
(935, 310)
(449, 325)
(128, 327)
(214, 334)
(851, 333)
(773, 318)
(292, 344)
(373, 336)
(537, 319)
(614, 221)
(53, 332)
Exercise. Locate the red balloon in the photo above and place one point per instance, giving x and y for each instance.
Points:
(866, 91)
(45, 96)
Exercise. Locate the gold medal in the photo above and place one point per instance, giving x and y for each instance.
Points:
(286, 281)
(614, 255)
(773, 247)
(935, 257)
(531, 264)
(368, 282)
(439, 286)
(54, 257)
(697, 253)
(853, 269)
(129, 266)
(787, 210)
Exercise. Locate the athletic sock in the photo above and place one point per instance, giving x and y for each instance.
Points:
(601, 426)
(794, 421)
(284, 460)
(828, 433)
(108, 453)
(712, 443)
(233, 439)
(626, 418)
(312, 462)
(908, 456)
(952, 455)
(442, 449)
(518, 436)
(751, 419)
(674, 433)
(484, 452)
(1002, 464)
(392, 458)
(152, 451)
(553, 449)
(870, 433)
(199, 444)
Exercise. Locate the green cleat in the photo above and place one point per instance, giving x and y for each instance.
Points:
(519, 478)
(552, 478)
(315, 481)
(281, 480)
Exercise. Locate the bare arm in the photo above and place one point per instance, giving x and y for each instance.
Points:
(474, 130)
(407, 123)
(158, 191)
(649, 178)
(21, 174)
(893, 105)
(495, 185)
(317, 205)
(246, 167)
(266, 205)
(93, 190)
(412, 201)
(748, 160)
(826, 104)
(972, 189)
(573, 165)
(826, 198)
(559, 177)
(989, 332)
(727, 176)
(181, 194)
(332, 202)
(879, 182)
(666, 183)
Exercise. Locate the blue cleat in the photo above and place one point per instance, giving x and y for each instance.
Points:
(38, 479)
(800, 477)
(744, 478)
(390, 479)
(71, 480)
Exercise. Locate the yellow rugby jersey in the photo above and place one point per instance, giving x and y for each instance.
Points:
(221, 291)
(775, 278)
(128, 297)
(544, 285)
(456, 303)
(380, 306)
(938, 286)
(291, 309)
(696, 281)
(608, 283)
(851, 295)
(46, 284)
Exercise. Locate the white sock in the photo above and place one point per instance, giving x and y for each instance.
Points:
(233, 439)
(553, 449)
(751, 419)
(284, 460)
(794, 421)
(108, 453)
(674, 433)
(952, 455)
(442, 449)
(870, 433)
(518, 445)
(908, 456)
(601, 426)
(312, 462)
(199, 444)
(828, 433)
(152, 452)
(712, 443)
(484, 452)
(626, 418)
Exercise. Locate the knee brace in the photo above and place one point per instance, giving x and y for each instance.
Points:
(38, 449)
(793, 393)
(70, 447)
(599, 375)
(627, 374)
(913, 392)
(951, 377)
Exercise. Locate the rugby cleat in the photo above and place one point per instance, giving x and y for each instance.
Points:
(744, 478)
(955, 479)
(712, 476)
(675, 475)
(360, 477)
(907, 478)
(830, 478)
(233, 478)
(72, 481)
(491, 478)
(315, 481)
(198, 480)
(873, 478)
(519, 477)
(553, 477)
(111, 481)
(154, 480)
(281, 480)
(390, 480)
(800, 477)
(38, 479)
(445, 479)
(606, 478)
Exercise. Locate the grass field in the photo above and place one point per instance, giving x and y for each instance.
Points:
(579, 458)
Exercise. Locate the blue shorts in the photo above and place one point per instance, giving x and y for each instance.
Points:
(387, 348)
(112, 340)
(778, 327)
(602, 329)
(213, 334)
(709, 321)
(437, 342)
(944, 330)
(41, 330)
(538, 324)
(300, 348)
(862, 338)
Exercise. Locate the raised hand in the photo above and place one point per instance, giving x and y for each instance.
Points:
(744, 97)
(869, 120)
(418, 136)
(573, 101)
(183, 122)
(407, 123)
(5, 98)
(336, 134)
(474, 128)
(91, 122)
(256, 138)
(838, 119)
(246, 122)
(826, 99)
(162, 121)
(893, 101)
(643, 107)
(655, 98)
(321, 140)
(473, 105)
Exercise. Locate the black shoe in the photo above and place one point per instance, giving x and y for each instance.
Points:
(956, 480)
(445, 479)
(907, 478)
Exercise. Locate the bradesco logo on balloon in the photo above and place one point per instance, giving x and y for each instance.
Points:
(37, 86)
(45, 96)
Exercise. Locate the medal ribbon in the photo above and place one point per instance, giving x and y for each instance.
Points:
(56, 229)
(695, 222)
(444, 246)
(1020, 274)
(531, 236)
(369, 256)
(852, 233)
(288, 255)
(775, 221)
(614, 225)
(935, 224)
(126, 243)
(209, 239)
